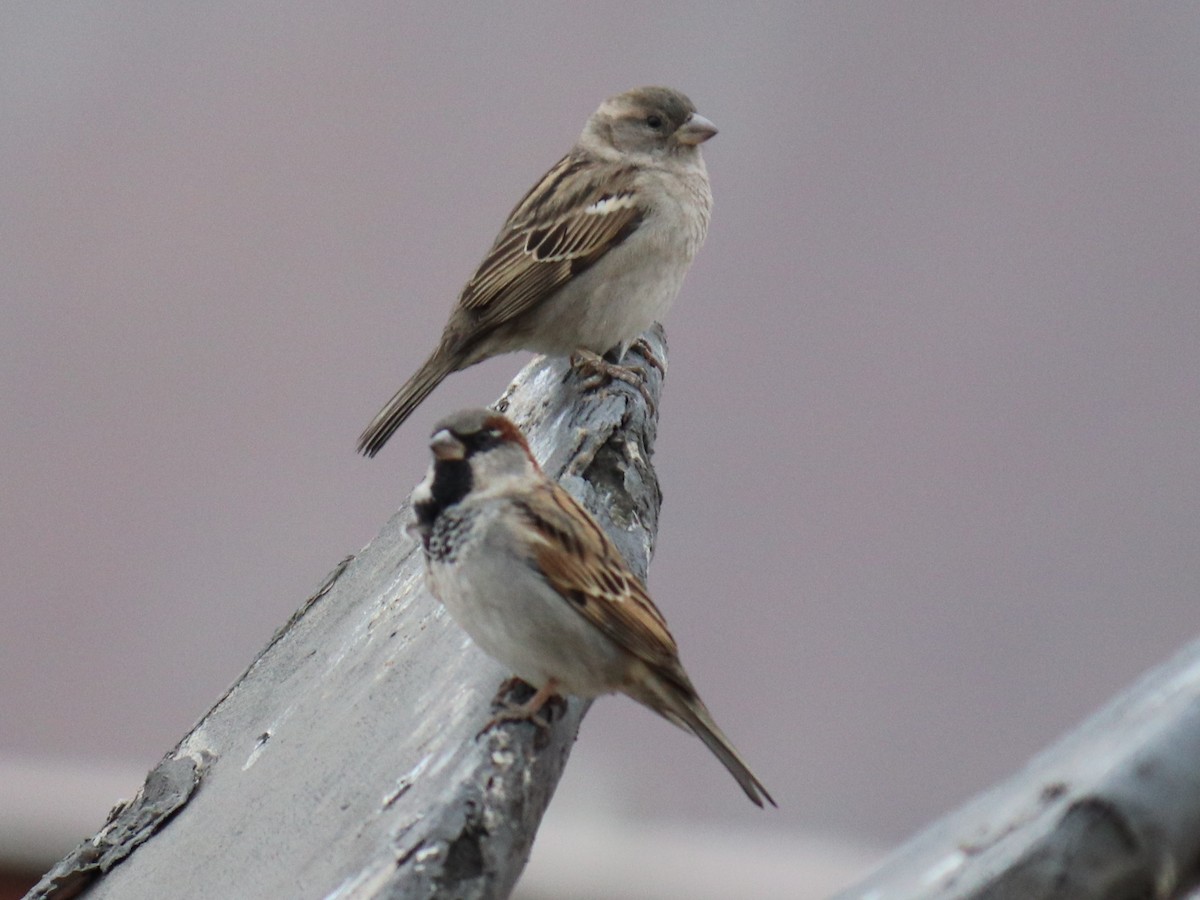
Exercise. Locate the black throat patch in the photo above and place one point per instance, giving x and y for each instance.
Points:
(451, 482)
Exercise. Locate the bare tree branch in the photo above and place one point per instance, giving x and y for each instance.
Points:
(344, 762)
(1110, 812)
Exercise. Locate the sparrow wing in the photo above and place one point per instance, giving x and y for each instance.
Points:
(579, 211)
(579, 561)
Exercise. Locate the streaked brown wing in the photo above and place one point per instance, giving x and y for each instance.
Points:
(582, 564)
(559, 229)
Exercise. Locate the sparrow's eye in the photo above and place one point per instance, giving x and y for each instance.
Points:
(654, 121)
(484, 440)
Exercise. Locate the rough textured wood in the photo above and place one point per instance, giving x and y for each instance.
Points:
(344, 763)
(1110, 812)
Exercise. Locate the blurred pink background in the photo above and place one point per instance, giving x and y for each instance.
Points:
(930, 443)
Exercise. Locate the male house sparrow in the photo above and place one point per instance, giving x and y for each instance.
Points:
(590, 258)
(539, 586)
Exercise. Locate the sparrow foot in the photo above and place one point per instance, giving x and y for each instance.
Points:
(597, 372)
(513, 685)
(546, 696)
(643, 347)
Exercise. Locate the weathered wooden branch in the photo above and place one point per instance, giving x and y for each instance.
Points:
(345, 763)
(1110, 812)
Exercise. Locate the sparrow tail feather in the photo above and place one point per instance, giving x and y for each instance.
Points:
(691, 713)
(702, 724)
(432, 372)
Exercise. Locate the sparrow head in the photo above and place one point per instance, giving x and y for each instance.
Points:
(476, 451)
(652, 121)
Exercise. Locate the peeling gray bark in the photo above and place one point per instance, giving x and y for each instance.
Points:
(1110, 812)
(345, 762)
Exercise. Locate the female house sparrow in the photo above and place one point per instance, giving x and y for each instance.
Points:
(539, 586)
(590, 258)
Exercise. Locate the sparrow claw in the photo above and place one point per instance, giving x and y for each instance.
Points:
(512, 685)
(643, 347)
(516, 714)
(530, 711)
(597, 372)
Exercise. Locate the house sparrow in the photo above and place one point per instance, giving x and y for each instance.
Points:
(590, 258)
(537, 584)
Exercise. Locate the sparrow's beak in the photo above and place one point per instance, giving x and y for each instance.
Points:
(696, 130)
(446, 446)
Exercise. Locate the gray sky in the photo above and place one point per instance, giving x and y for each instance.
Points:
(929, 442)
